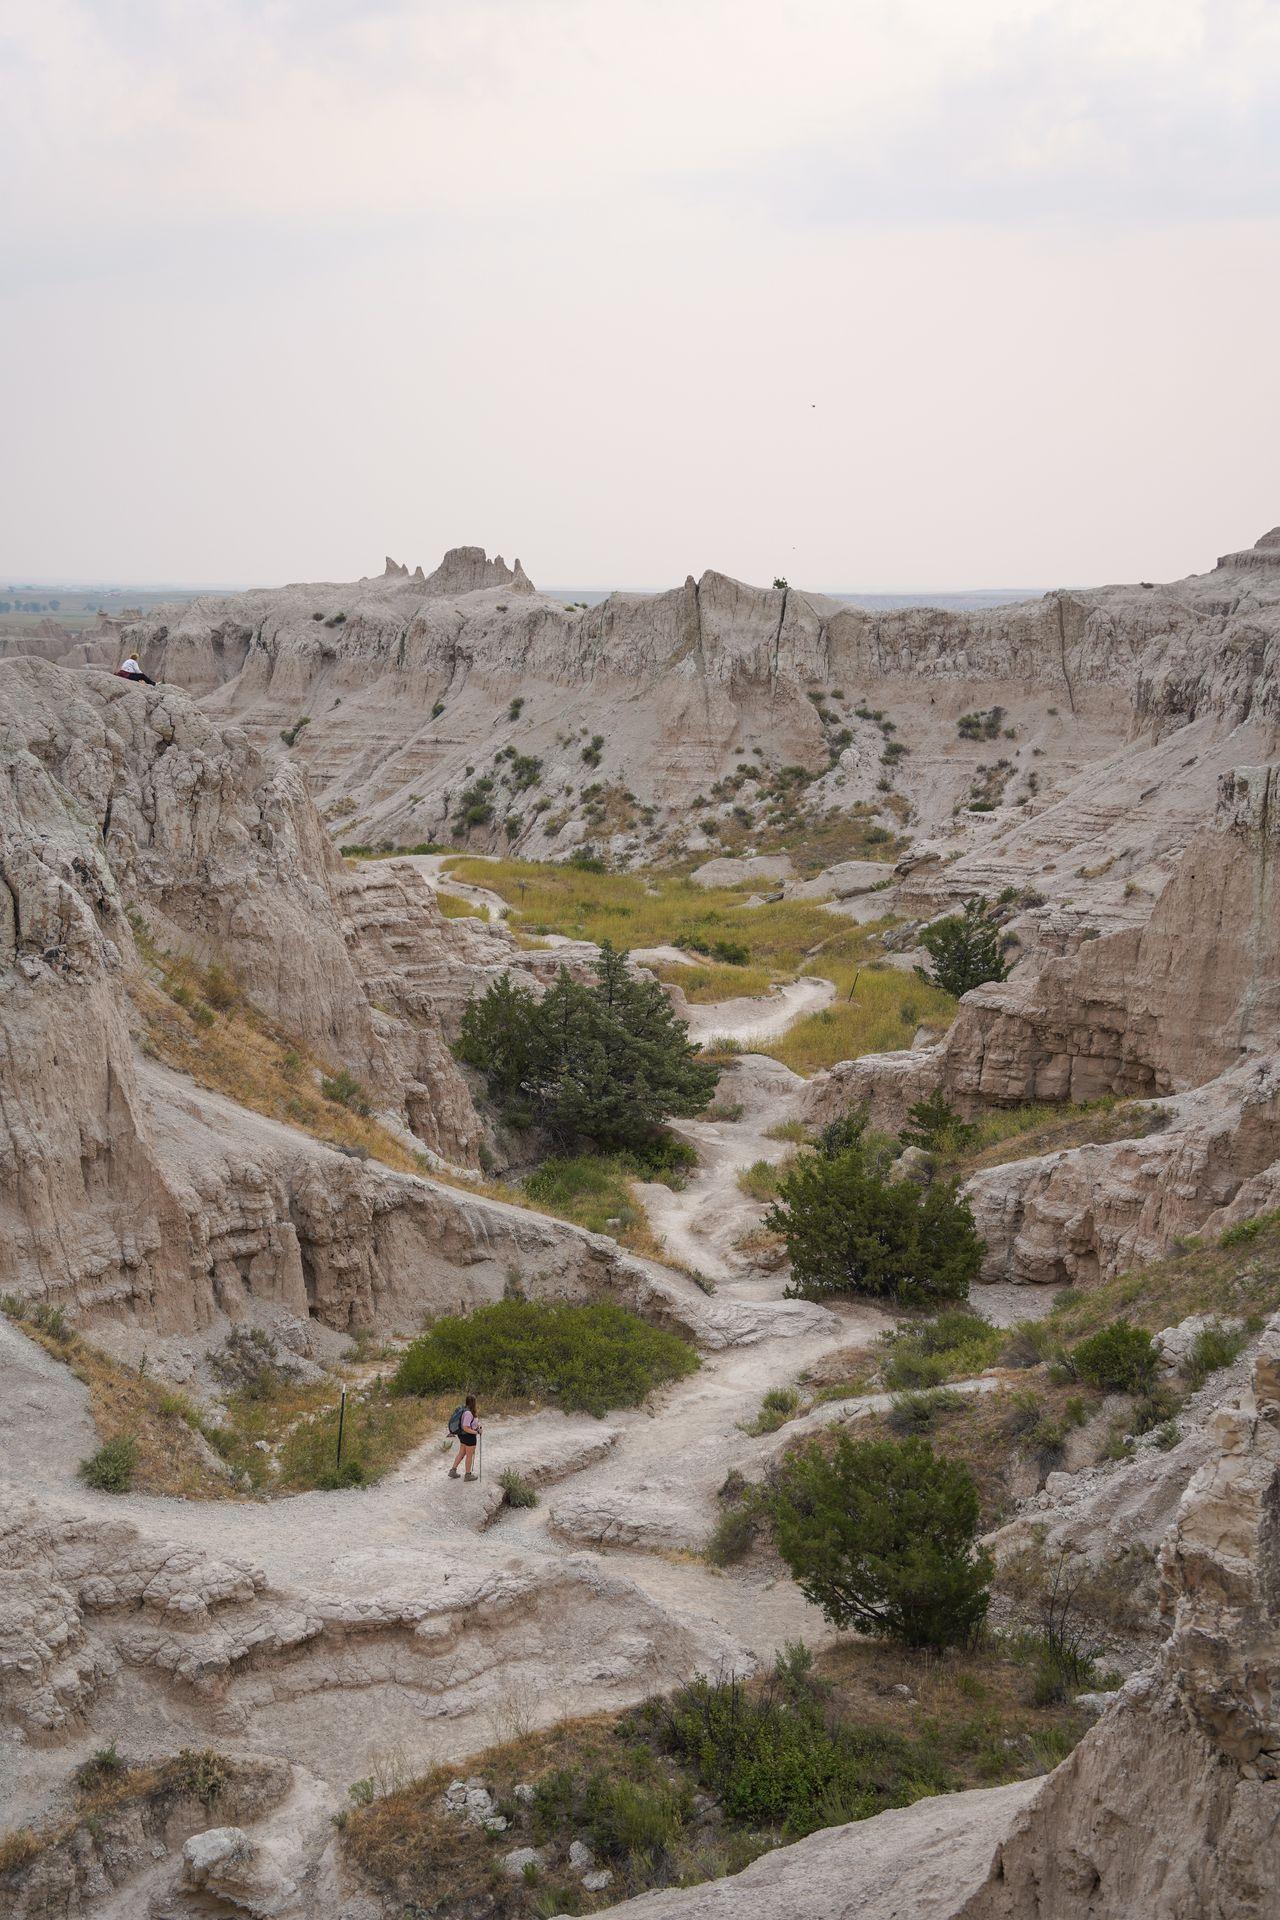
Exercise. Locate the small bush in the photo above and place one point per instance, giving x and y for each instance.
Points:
(773, 1758)
(516, 1490)
(106, 1764)
(917, 1412)
(1119, 1358)
(346, 1091)
(761, 1180)
(928, 1353)
(1213, 1348)
(882, 1536)
(965, 949)
(776, 1409)
(1246, 1230)
(626, 1817)
(587, 1358)
(112, 1467)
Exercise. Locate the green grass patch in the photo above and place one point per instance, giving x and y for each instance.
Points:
(929, 1353)
(580, 1358)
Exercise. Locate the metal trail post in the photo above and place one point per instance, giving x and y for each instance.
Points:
(342, 1421)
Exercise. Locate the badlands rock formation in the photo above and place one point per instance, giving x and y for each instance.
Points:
(311, 1640)
(1124, 703)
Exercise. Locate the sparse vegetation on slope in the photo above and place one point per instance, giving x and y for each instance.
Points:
(692, 1786)
(238, 1051)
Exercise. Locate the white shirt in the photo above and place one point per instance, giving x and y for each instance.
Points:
(130, 666)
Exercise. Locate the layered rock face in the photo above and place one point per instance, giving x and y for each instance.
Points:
(1184, 1010)
(405, 683)
(122, 1189)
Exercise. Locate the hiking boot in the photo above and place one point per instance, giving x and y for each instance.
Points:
(453, 1473)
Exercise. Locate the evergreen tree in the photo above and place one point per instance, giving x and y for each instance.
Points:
(600, 1064)
(935, 1125)
(881, 1535)
(848, 1229)
(965, 949)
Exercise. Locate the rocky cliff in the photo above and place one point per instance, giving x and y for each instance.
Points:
(404, 686)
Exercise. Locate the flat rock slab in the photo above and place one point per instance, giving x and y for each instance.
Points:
(649, 1516)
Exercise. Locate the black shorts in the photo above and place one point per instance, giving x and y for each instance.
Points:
(468, 1439)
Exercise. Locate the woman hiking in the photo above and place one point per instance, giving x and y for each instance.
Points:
(469, 1431)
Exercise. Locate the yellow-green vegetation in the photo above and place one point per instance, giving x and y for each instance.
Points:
(198, 1021)
(147, 1430)
(597, 1191)
(762, 1179)
(1018, 1133)
(877, 1007)
(818, 1741)
(455, 906)
(155, 1439)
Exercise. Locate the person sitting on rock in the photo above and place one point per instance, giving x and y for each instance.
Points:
(469, 1431)
(130, 670)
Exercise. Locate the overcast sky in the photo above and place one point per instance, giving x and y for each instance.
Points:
(872, 293)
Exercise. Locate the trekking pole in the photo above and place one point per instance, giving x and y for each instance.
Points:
(480, 1461)
(342, 1421)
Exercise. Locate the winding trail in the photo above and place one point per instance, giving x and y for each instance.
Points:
(626, 1505)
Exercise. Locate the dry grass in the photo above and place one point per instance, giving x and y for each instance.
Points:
(124, 1402)
(1020, 1133)
(1241, 1280)
(236, 1050)
(202, 1776)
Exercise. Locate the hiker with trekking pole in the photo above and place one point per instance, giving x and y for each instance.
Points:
(467, 1430)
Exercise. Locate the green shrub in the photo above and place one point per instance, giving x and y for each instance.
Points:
(603, 1064)
(927, 1353)
(934, 1123)
(626, 1816)
(881, 1535)
(516, 1490)
(1246, 1230)
(917, 1412)
(849, 1230)
(776, 1409)
(734, 1534)
(346, 1091)
(112, 1467)
(587, 1358)
(1213, 1348)
(1120, 1358)
(965, 949)
(772, 1758)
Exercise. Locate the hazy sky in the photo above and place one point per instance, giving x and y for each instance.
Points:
(872, 293)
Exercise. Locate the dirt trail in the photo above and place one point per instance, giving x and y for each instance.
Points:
(634, 1497)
